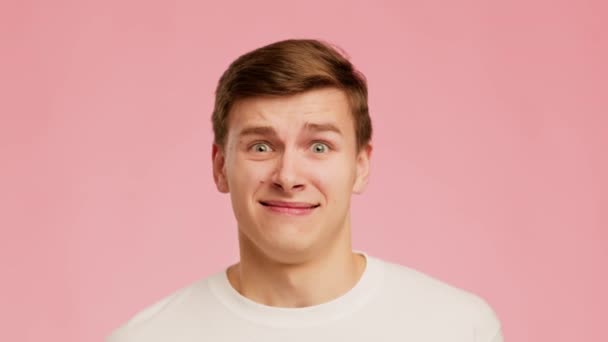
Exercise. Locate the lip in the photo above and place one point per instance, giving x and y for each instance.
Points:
(290, 208)
(297, 205)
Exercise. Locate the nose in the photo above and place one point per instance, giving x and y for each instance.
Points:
(286, 174)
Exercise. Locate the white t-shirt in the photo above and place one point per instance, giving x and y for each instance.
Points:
(390, 302)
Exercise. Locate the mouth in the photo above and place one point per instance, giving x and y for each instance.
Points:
(290, 208)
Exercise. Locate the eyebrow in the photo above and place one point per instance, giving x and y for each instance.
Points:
(268, 130)
(322, 127)
(257, 130)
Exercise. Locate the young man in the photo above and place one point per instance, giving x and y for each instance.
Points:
(292, 144)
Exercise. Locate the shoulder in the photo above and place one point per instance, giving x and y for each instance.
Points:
(163, 314)
(440, 301)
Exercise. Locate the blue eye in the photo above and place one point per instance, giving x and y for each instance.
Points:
(261, 147)
(320, 147)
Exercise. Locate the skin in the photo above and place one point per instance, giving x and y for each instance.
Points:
(300, 148)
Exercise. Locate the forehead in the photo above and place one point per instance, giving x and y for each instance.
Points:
(314, 106)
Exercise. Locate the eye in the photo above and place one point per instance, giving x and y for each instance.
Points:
(319, 147)
(261, 147)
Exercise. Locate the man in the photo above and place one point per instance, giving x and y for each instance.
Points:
(292, 144)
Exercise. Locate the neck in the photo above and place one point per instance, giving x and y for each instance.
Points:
(326, 276)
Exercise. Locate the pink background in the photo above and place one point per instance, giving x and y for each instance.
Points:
(489, 169)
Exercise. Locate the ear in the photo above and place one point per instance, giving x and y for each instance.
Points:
(363, 164)
(219, 168)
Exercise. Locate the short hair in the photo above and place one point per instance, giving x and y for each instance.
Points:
(290, 67)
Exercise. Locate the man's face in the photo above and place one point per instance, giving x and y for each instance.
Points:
(291, 165)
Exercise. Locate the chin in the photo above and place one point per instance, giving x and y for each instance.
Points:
(288, 250)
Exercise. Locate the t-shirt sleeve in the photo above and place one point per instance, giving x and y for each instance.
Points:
(138, 321)
(489, 328)
(498, 337)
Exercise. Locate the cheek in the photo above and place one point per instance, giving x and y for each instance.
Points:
(332, 177)
(249, 174)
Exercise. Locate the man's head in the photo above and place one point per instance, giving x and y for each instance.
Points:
(286, 68)
(292, 143)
